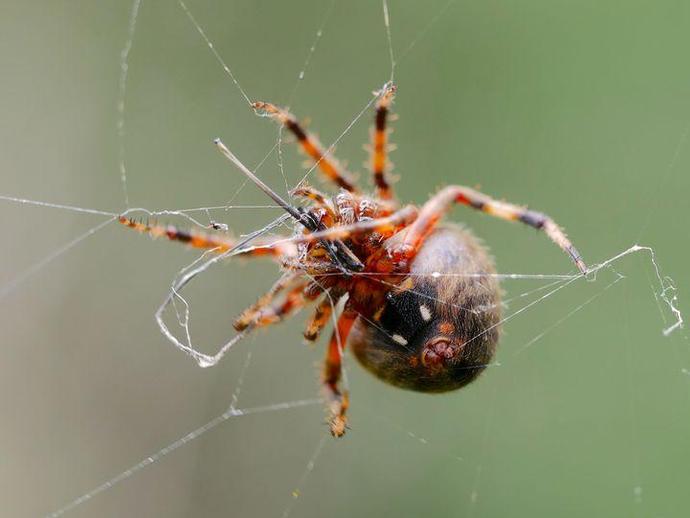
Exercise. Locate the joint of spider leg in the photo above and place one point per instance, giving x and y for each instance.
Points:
(533, 219)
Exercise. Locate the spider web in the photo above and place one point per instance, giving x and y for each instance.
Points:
(472, 462)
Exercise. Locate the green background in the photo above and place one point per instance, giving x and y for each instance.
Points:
(580, 109)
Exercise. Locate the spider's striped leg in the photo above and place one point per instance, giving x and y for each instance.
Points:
(271, 312)
(379, 143)
(386, 226)
(434, 209)
(220, 243)
(332, 372)
(265, 312)
(319, 318)
(249, 315)
(328, 165)
(309, 193)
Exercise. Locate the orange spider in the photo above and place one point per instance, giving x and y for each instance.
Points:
(406, 322)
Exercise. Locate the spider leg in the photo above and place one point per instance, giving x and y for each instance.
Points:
(379, 143)
(264, 312)
(316, 196)
(328, 165)
(250, 315)
(332, 373)
(433, 210)
(385, 226)
(221, 243)
(318, 320)
(268, 313)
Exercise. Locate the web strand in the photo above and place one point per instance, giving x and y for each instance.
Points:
(421, 34)
(213, 50)
(69, 208)
(182, 441)
(298, 82)
(670, 170)
(305, 474)
(632, 409)
(389, 37)
(310, 53)
(569, 314)
(122, 96)
(37, 267)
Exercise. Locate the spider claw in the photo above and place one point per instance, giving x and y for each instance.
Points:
(338, 426)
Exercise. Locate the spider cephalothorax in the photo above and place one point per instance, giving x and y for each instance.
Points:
(422, 302)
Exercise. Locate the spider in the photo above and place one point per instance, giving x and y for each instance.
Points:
(405, 322)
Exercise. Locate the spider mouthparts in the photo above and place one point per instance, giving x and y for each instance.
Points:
(346, 260)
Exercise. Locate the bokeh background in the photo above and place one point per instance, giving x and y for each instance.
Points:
(580, 109)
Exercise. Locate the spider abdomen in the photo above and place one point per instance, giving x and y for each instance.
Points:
(439, 330)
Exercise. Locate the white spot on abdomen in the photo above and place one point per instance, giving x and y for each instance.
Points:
(400, 339)
(425, 312)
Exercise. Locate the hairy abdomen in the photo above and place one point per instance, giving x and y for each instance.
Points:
(440, 330)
